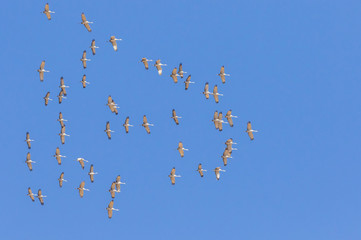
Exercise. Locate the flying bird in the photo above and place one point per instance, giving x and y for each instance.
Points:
(31, 194)
(40, 197)
(82, 189)
(216, 94)
(29, 161)
(61, 96)
(112, 189)
(92, 173)
(187, 82)
(61, 179)
(250, 131)
(174, 75)
(172, 176)
(63, 86)
(112, 105)
(217, 171)
(206, 91)
(28, 140)
(93, 47)
(159, 65)
(215, 119)
(126, 125)
(41, 71)
(58, 156)
(181, 149)
(47, 11)
(146, 124)
(200, 170)
(83, 81)
(108, 131)
(61, 120)
(62, 134)
(175, 117)
(145, 62)
(46, 98)
(110, 209)
(229, 144)
(85, 22)
(223, 75)
(220, 121)
(113, 41)
(225, 156)
(229, 117)
(84, 59)
(180, 71)
(118, 183)
(81, 161)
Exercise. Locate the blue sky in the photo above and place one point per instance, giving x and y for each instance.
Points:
(295, 73)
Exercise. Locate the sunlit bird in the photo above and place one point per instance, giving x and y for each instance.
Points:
(108, 131)
(58, 156)
(29, 161)
(225, 156)
(112, 105)
(146, 124)
(110, 209)
(83, 81)
(215, 119)
(31, 194)
(218, 171)
(93, 47)
(229, 117)
(82, 189)
(47, 12)
(126, 125)
(206, 91)
(28, 140)
(61, 179)
(40, 197)
(174, 75)
(175, 117)
(229, 144)
(61, 120)
(223, 75)
(200, 170)
(181, 149)
(172, 176)
(92, 173)
(63, 86)
(187, 82)
(250, 131)
(81, 161)
(62, 134)
(113, 41)
(118, 183)
(180, 71)
(159, 65)
(61, 96)
(145, 62)
(216, 94)
(47, 98)
(220, 121)
(41, 71)
(85, 22)
(112, 189)
(84, 59)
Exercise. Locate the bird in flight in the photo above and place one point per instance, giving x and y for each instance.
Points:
(93, 47)
(31, 194)
(250, 131)
(159, 65)
(223, 75)
(172, 176)
(181, 149)
(84, 59)
(41, 71)
(47, 11)
(175, 117)
(83, 81)
(110, 209)
(81, 161)
(146, 124)
(92, 173)
(187, 82)
(58, 156)
(145, 62)
(85, 22)
(82, 189)
(113, 41)
(218, 171)
(126, 125)
(29, 161)
(28, 140)
(40, 197)
(61, 179)
(200, 170)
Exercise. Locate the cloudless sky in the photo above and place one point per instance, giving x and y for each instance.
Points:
(295, 73)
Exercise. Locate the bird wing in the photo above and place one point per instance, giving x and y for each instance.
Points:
(40, 197)
(159, 67)
(147, 129)
(145, 119)
(215, 91)
(222, 70)
(81, 163)
(81, 192)
(215, 118)
(145, 62)
(118, 178)
(173, 171)
(249, 126)
(62, 138)
(180, 71)
(58, 158)
(41, 75)
(30, 194)
(87, 26)
(206, 90)
(174, 75)
(48, 15)
(42, 65)
(172, 178)
(223, 79)
(220, 117)
(28, 142)
(93, 47)
(114, 43)
(250, 134)
(92, 177)
(180, 149)
(83, 18)
(229, 118)
(61, 179)
(82, 184)
(110, 209)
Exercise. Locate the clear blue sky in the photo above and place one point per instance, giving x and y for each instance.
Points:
(295, 73)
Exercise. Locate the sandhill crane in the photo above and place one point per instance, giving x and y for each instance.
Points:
(58, 156)
(159, 65)
(46, 98)
(62, 134)
(220, 121)
(112, 189)
(61, 120)
(206, 91)
(113, 41)
(83, 81)
(108, 131)
(29, 161)
(31, 194)
(40, 197)
(110, 209)
(60, 96)
(175, 117)
(41, 71)
(216, 94)
(85, 22)
(229, 117)
(92, 173)
(172, 176)
(217, 171)
(84, 59)
(81, 161)
(61, 179)
(225, 156)
(250, 131)
(118, 183)
(28, 140)
(181, 149)
(93, 47)
(223, 75)
(82, 189)
(200, 170)
(229, 144)
(146, 124)
(112, 105)
(126, 125)
(145, 62)
(187, 82)
(47, 11)
(63, 86)
(215, 119)
(180, 71)
(174, 75)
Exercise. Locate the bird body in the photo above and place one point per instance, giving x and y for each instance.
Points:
(145, 62)
(250, 131)
(81, 161)
(223, 75)
(218, 171)
(159, 65)
(92, 173)
(58, 156)
(113, 41)
(28, 140)
(172, 176)
(29, 161)
(146, 124)
(85, 22)
(41, 71)
(47, 12)
(175, 117)
(200, 170)
(187, 82)
(126, 125)
(82, 189)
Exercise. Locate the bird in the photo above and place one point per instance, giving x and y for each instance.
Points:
(31, 194)
(29, 161)
(175, 117)
(146, 124)
(174, 75)
(223, 75)
(112, 105)
(215, 119)
(83, 81)
(181, 149)
(85, 22)
(172, 175)
(82, 189)
(187, 82)
(92, 173)
(110, 209)
(46, 98)
(81, 161)
(220, 121)
(41, 71)
(225, 156)
(180, 71)
(40, 197)
(58, 156)
(28, 140)
(229, 144)
(61, 179)
(108, 131)
(206, 91)
(61, 120)
(250, 131)
(112, 189)
(84, 59)
(62, 134)
(93, 47)
(118, 183)
(63, 86)
(47, 11)
(113, 41)
(126, 125)
(229, 117)
(216, 94)
(200, 170)
(159, 65)
(61, 96)
(145, 62)
(217, 171)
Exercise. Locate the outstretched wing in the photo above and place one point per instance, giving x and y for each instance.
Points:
(110, 209)
(229, 118)
(47, 13)
(30, 194)
(206, 90)
(174, 115)
(93, 46)
(180, 149)
(174, 75)
(220, 117)
(145, 62)
(180, 71)
(215, 91)
(84, 21)
(215, 119)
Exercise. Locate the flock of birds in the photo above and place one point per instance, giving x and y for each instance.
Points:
(116, 185)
